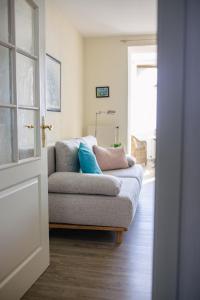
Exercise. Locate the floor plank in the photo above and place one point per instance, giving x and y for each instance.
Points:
(90, 266)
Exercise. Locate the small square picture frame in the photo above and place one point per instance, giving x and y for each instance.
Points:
(102, 91)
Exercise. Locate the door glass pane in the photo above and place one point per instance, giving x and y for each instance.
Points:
(25, 80)
(4, 20)
(5, 135)
(24, 25)
(5, 91)
(26, 136)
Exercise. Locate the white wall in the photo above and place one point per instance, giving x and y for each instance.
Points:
(106, 63)
(87, 63)
(65, 43)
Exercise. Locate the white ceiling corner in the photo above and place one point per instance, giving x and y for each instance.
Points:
(111, 17)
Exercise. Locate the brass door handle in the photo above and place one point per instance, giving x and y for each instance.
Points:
(43, 127)
(29, 126)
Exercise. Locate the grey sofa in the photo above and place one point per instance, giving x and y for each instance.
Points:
(87, 201)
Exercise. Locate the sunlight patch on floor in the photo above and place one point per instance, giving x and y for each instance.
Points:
(149, 173)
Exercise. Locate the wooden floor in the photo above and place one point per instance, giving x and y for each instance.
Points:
(89, 266)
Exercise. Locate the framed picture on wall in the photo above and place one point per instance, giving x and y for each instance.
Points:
(102, 92)
(53, 83)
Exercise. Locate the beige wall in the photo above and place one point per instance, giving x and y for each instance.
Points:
(87, 63)
(65, 43)
(106, 63)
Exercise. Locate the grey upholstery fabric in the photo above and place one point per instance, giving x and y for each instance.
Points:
(131, 160)
(67, 153)
(67, 156)
(77, 183)
(85, 209)
(135, 171)
(51, 159)
(96, 209)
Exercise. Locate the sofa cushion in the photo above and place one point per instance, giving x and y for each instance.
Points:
(87, 159)
(135, 171)
(96, 209)
(110, 158)
(77, 183)
(67, 156)
(67, 153)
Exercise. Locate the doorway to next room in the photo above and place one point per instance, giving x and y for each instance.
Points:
(142, 105)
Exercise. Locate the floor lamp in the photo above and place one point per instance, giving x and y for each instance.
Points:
(108, 112)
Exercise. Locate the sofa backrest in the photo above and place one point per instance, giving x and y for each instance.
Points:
(63, 157)
(51, 156)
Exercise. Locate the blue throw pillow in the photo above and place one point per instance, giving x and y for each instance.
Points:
(87, 158)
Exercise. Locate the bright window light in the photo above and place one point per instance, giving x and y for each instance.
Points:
(144, 102)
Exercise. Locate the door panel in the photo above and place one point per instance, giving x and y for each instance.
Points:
(26, 136)
(28, 169)
(5, 83)
(24, 240)
(4, 34)
(25, 80)
(25, 25)
(6, 121)
(23, 232)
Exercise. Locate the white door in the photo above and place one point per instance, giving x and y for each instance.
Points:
(24, 243)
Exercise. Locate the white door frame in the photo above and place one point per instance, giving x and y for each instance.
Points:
(171, 45)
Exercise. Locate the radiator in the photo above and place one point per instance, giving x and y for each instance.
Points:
(105, 134)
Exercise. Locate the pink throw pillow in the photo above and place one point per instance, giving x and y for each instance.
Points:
(110, 158)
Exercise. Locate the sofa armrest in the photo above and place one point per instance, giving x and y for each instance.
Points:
(78, 183)
(131, 160)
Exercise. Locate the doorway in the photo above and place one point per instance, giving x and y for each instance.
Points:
(141, 125)
(143, 105)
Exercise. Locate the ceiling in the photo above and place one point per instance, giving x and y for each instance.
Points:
(111, 17)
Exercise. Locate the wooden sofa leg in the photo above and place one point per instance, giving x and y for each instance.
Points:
(119, 237)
